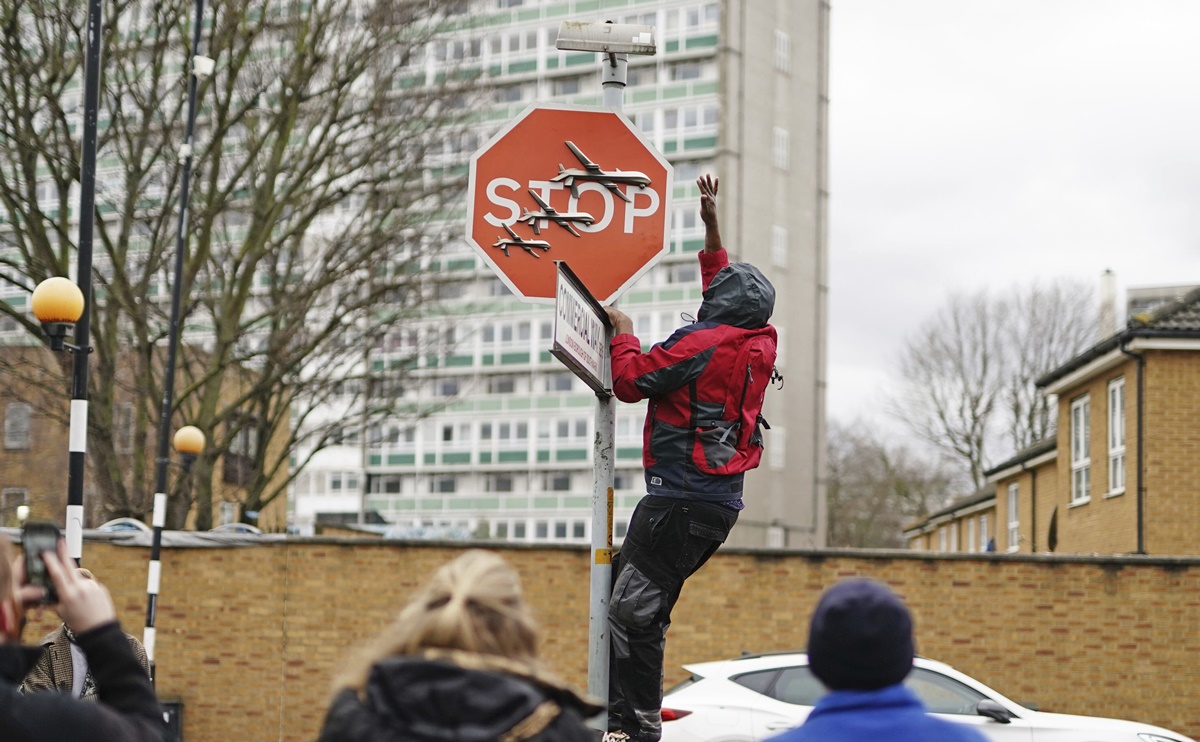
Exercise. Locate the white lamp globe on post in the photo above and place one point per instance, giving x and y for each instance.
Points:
(58, 305)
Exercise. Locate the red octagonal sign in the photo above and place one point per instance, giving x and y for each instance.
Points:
(580, 185)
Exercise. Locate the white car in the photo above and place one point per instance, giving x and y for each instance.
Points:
(759, 696)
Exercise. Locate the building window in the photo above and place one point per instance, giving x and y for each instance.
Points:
(502, 385)
(783, 51)
(243, 451)
(1081, 461)
(443, 485)
(954, 536)
(1014, 519)
(17, 425)
(560, 482)
(500, 483)
(780, 157)
(983, 533)
(559, 382)
(11, 499)
(122, 433)
(578, 529)
(942, 536)
(970, 534)
(228, 513)
(560, 529)
(1116, 435)
(541, 530)
(779, 247)
(519, 529)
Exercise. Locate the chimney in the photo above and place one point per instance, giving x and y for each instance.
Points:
(1108, 303)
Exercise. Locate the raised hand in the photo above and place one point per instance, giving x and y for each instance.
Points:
(83, 604)
(708, 198)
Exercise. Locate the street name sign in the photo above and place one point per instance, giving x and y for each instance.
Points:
(580, 338)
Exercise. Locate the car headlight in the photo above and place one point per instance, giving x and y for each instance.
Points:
(1146, 737)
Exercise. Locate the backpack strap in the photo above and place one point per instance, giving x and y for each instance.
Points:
(534, 724)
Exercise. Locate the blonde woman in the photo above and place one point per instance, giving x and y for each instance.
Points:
(459, 663)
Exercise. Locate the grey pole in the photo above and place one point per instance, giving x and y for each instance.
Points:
(614, 76)
(201, 66)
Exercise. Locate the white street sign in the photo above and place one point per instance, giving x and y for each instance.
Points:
(581, 332)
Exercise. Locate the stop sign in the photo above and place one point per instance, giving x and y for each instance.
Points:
(580, 185)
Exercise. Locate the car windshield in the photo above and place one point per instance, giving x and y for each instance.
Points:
(797, 686)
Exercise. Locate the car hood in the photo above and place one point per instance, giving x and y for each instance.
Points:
(1106, 729)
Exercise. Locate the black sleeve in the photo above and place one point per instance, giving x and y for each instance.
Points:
(130, 710)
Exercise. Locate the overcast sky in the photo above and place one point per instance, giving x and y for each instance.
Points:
(986, 143)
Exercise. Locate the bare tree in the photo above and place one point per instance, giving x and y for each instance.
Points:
(875, 488)
(966, 376)
(323, 185)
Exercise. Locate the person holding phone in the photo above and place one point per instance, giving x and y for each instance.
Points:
(128, 710)
(63, 667)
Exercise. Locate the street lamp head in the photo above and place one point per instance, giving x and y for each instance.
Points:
(189, 442)
(58, 304)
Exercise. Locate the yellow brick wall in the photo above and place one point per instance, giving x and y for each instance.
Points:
(1172, 499)
(250, 637)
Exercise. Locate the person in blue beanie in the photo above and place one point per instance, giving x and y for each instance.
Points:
(860, 645)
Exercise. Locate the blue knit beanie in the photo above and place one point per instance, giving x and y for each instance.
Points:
(861, 637)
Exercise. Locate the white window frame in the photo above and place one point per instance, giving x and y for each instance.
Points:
(942, 536)
(783, 51)
(779, 247)
(953, 536)
(971, 543)
(983, 532)
(781, 149)
(1080, 439)
(1014, 517)
(1116, 436)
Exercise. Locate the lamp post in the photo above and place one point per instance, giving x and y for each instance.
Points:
(189, 442)
(59, 304)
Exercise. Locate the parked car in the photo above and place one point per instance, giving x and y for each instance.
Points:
(756, 697)
(121, 525)
(242, 528)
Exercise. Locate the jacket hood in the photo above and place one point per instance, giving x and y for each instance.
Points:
(436, 700)
(739, 295)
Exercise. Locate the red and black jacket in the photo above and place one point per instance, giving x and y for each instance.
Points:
(687, 378)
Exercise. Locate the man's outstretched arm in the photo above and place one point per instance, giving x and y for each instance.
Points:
(708, 212)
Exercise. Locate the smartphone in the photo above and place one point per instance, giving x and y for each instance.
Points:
(37, 539)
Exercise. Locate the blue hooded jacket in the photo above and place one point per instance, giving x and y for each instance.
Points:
(891, 714)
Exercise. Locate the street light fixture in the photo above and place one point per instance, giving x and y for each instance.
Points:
(58, 304)
(189, 442)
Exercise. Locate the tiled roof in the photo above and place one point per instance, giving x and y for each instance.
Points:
(985, 493)
(1046, 445)
(1182, 315)
(1179, 319)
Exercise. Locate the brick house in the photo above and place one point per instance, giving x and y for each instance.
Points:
(34, 432)
(967, 524)
(1129, 439)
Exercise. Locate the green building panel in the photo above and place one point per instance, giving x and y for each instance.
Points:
(513, 457)
(485, 457)
(516, 68)
(700, 143)
(457, 457)
(458, 361)
(375, 459)
(431, 458)
(516, 503)
(577, 502)
(543, 456)
(629, 452)
(489, 405)
(571, 454)
(547, 403)
(546, 503)
(431, 503)
(402, 459)
(701, 42)
(514, 358)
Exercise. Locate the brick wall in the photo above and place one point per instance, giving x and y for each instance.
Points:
(249, 637)
(1172, 504)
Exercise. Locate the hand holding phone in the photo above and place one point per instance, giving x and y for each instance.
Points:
(36, 540)
(83, 604)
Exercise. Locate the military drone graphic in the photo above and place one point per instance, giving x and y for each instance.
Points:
(592, 172)
(504, 243)
(533, 218)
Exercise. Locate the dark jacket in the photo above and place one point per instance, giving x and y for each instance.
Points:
(456, 697)
(893, 713)
(54, 671)
(687, 377)
(127, 712)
